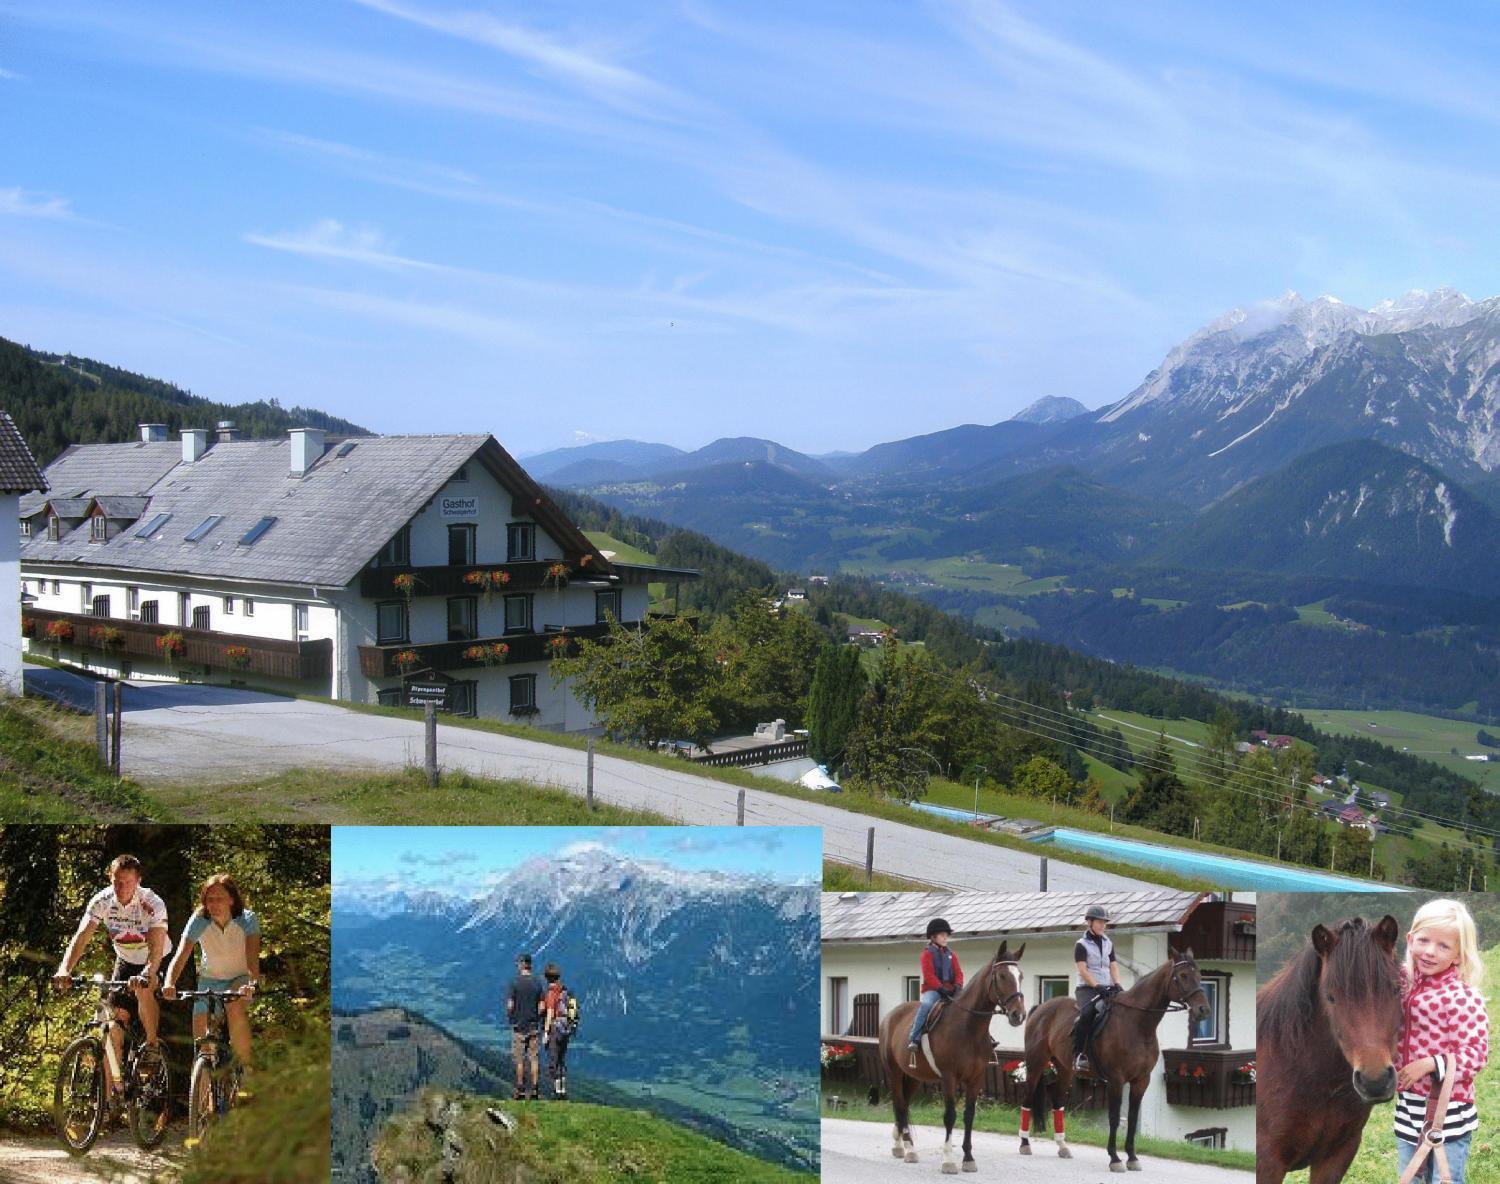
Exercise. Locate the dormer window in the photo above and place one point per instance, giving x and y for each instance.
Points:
(25, 528)
(98, 529)
(54, 528)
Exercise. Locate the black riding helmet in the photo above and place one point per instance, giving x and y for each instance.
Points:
(938, 925)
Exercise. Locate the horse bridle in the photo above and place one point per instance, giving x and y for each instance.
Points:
(1000, 1004)
(1172, 981)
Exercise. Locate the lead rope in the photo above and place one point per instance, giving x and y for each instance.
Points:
(1431, 1140)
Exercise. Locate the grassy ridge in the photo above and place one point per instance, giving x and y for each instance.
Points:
(576, 1143)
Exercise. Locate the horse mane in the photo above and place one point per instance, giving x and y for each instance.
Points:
(1153, 979)
(1289, 1004)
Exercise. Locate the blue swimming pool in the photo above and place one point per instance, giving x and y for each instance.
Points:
(954, 815)
(1218, 869)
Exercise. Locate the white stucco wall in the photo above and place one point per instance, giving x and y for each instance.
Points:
(10, 596)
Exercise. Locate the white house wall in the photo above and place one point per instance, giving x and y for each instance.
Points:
(882, 969)
(493, 513)
(10, 597)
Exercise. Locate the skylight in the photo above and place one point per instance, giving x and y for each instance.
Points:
(256, 531)
(345, 449)
(152, 527)
(203, 528)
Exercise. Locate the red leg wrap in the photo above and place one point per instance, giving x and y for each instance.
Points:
(1025, 1121)
(1057, 1121)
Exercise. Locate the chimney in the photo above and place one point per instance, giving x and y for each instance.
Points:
(307, 447)
(228, 431)
(194, 444)
(153, 433)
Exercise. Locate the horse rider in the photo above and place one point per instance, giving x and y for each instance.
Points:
(942, 977)
(1099, 976)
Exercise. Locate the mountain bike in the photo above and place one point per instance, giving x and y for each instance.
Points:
(80, 1102)
(215, 1080)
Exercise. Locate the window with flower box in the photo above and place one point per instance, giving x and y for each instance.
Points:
(1213, 1030)
(518, 613)
(390, 622)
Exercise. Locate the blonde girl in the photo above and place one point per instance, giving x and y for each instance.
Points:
(1445, 1031)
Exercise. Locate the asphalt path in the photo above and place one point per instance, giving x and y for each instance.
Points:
(205, 735)
(856, 1152)
(40, 1160)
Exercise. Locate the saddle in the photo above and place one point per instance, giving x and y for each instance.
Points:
(1091, 1019)
(933, 1016)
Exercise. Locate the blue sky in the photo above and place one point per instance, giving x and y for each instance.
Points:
(831, 224)
(448, 856)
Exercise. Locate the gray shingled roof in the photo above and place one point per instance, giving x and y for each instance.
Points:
(67, 507)
(115, 506)
(329, 522)
(86, 470)
(891, 916)
(18, 468)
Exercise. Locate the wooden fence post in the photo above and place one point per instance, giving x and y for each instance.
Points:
(741, 819)
(429, 716)
(101, 722)
(114, 745)
(589, 791)
(869, 857)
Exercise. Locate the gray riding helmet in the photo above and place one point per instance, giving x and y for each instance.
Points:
(1097, 912)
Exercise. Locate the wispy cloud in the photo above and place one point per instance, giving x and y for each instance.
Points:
(19, 203)
(11, 75)
(586, 68)
(440, 317)
(330, 239)
(441, 859)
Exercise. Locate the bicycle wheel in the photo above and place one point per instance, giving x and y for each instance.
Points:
(151, 1097)
(78, 1099)
(200, 1099)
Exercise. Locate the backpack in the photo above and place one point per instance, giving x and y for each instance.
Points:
(565, 1013)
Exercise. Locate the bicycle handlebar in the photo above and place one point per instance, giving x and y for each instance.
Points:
(98, 980)
(222, 996)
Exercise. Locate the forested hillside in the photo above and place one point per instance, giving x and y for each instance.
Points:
(60, 401)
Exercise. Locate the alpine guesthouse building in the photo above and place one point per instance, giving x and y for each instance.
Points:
(370, 569)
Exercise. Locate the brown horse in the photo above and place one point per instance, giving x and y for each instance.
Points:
(1124, 1053)
(1325, 1030)
(960, 1044)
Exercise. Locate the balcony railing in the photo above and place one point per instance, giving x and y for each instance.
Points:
(1220, 931)
(381, 583)
(269, 656)
(1209, 1077)
(380, 661)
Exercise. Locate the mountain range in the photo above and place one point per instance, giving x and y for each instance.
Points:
(698, 989)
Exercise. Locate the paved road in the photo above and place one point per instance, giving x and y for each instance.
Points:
(218, 734)
(40, 1160)
(860, 1153)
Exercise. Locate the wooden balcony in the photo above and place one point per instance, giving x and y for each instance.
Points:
(379, 583)
(268, 656)
(1208, 1077)
(1220, 931)
(379, 661)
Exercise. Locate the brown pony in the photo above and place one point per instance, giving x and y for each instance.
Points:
(1125, 1052)
(1325, 1030)
(960, 1046)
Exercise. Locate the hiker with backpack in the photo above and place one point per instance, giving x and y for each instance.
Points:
(523, 1011)
(942, 977)
(559, 1023)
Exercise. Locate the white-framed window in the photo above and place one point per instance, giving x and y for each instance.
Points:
(133, 603)
(54, 528)
(56, 587)
(25, 528)
(838, 1005)
(523, 694)
(1051, 986)
(397, 551)
(606, 605)
(1213, 1136)
(85, 594)
(300, 621)
(98, 529)
(249, 606)
(390, 622)
(184, 604)
(461, 538)
(463, 697)
(518, 613)
(463, 618)
(229, 606)
(1215, 1028)
(912, 988)
(520, 542)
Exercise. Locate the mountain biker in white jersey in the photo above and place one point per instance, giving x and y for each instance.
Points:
(136, 920)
